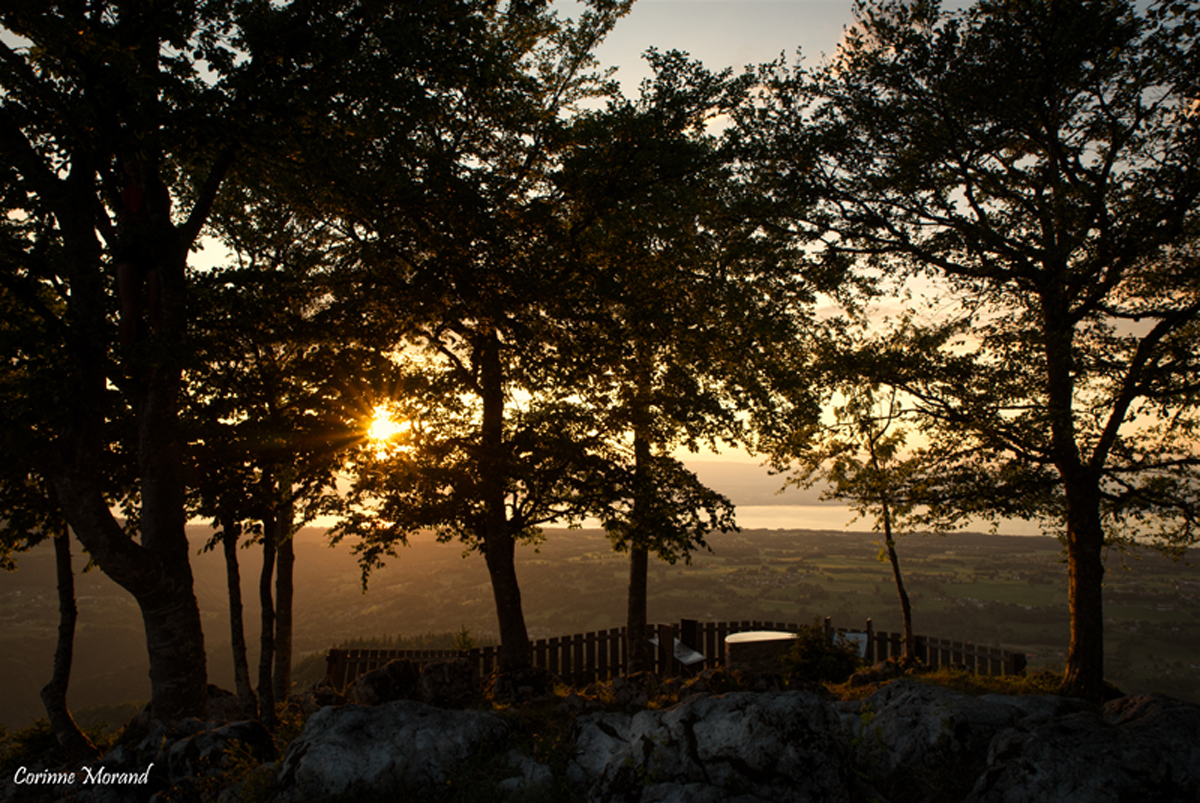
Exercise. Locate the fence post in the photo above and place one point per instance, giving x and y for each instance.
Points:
(710, 644)
(335, 668)
(578, 663)
(689, 633)
(869, 649)
(666, 650)
(829, 629)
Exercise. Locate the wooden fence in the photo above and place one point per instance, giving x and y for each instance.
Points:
(589, 657)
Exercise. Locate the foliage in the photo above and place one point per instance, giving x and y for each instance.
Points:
(1034, 163)
(463, 640)
(460, 255)
(818, 658)
(687, 312)
(266, 411)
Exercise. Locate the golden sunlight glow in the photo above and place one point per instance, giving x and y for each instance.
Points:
(383, 427)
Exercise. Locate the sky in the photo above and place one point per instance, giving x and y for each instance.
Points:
(724, 33)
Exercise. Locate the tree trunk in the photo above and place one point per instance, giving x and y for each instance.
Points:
(285, 558)
(155, 571)
(266, 695)
(637, 648)
(230, 530)
(515, 650)
(162, 589)
(1084, 675)
(910, 640)
(174, 634)
(499, 545)
(74, 742)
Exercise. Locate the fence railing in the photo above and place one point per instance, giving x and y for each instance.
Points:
(585, 658)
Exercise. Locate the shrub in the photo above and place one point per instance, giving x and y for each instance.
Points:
(815, 658)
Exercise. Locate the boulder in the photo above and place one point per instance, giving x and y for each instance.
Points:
(598, 739)
(782, 746)
(1142, 747)
(530, 776)
(395, 680)
(225, 706)
(394, 750)
(627, 695)
(449, 684)
(912, 734)
(575, 703)
(188, 761)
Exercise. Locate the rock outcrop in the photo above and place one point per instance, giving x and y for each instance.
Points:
(1145, 747)
(906, 742)
(780, 747)
(399, 748)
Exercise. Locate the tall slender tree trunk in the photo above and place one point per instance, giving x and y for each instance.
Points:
(266, 691)
(499, 544)
(910, 640)
(285, 559)
(637, 648)
(74, 742)
(230, 531)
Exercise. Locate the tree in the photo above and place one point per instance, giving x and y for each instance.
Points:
(860, 456)
(30, 517)
(266, 417)
(28, 337)
(1039, 161)
(171, 92)
(688, 309)
(462, 261)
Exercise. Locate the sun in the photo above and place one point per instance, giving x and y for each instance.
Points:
(383, 427)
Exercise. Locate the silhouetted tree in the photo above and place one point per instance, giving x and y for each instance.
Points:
(30, 517)
(266, 416)
(1039, 161)
(157, 85)
(860, 455)
(689, 312)
(453, 217)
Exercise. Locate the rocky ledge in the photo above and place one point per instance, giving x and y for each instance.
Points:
(907, 742)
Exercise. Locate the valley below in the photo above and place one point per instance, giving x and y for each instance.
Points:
(996, 590)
